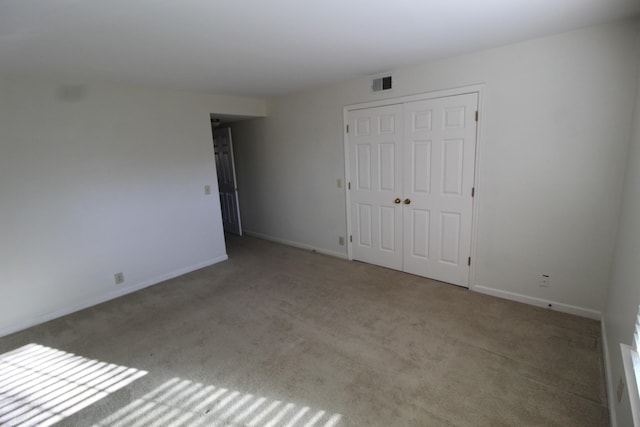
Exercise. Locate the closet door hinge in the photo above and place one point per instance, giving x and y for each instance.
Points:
(473, 191)
(350, 237)
(469, 261)
(347, 128)
(349, 186)
(476, 118)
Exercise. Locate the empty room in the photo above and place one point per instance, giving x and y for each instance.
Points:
(337, 213)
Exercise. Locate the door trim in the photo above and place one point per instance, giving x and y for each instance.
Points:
(480, 90)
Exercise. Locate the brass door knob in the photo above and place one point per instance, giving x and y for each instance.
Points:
(407, 201)
(397, 201)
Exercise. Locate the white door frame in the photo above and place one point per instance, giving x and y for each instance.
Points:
(480, 90)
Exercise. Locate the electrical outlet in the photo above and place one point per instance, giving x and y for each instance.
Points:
(341, 241)
(620, 389)
(545, 280)
(119, 278)
(207, 190)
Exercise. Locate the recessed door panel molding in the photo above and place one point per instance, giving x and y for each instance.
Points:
(450, 238)
(229, 213)
(421, 168)
(363, 166)
(387, 174)
(452, 172)
(387, 124)
(363, 126)
(420, 237)
(422, 120)
(453, 117)
(364, 225)
(387, 229)
(421, 173)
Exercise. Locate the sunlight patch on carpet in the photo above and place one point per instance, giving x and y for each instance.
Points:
(180, 402)
(39, 386)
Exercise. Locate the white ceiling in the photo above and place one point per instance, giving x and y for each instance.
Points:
(267, 47)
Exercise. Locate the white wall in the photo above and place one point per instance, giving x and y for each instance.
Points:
(96, 180)
(555, 129)
(623, 296)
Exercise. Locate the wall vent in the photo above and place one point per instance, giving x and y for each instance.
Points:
(382, 83)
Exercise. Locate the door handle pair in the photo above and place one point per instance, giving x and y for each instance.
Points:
(406, 201)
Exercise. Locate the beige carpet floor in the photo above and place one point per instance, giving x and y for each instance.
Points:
(278, 336)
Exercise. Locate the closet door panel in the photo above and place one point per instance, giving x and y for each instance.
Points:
(375, 154)
(439, 163)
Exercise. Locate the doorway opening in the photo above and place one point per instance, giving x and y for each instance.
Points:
(227, 182)
(226, 171)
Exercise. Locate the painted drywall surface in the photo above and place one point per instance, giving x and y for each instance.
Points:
(96, 180)
(230, 105)
(555, 126)
(623, 295)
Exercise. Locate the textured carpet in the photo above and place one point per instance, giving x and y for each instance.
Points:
(278, 336)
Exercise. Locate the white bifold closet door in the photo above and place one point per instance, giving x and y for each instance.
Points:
(375, 154)
(412, 172)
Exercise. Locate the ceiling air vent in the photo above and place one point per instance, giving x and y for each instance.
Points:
(383, 83)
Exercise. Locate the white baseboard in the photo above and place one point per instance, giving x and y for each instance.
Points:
(108, 296)
(295, 244)
(608, 378)
(539, 302)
